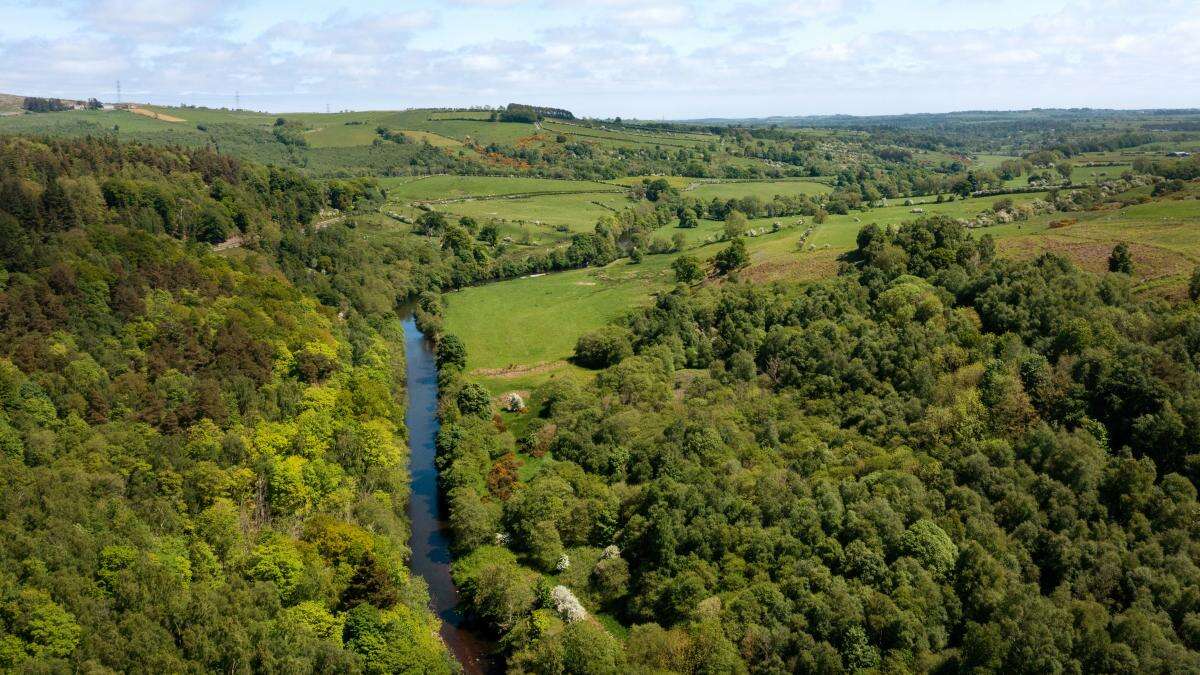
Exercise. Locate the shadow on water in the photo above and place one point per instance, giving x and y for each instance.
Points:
(430, 542)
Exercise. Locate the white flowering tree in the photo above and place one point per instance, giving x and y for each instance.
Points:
(567, 605)
(512, 402)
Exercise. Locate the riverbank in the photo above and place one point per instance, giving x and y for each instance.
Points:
(430, 539)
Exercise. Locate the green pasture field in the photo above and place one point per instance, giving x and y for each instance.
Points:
(529, 326)
(610, 136)
(1079, 174)
(193, 116)
(481, 130)
(697, 135)
(986, 161)
(457, 187)
(677, 182)
(331, 134)
(485, 115)
(579, 212)
(1153, 151)
(781, 255)
(80, 122)
(505, 324)
(764, 190)
(519, 333)
(323, 130)
(1090, 174)
(708, 230)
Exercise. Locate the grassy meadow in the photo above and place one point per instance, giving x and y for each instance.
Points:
(520, 332)
(576, 212)
(764, 190)
(434, 188)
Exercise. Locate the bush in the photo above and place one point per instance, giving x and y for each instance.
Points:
(603, 347)
(687, 269)
(473, 399)
(735, 224)
(432, 223)
(451, 352)
(732, 258)
(1120, 260)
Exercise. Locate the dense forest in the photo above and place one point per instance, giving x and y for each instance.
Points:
(937, 461)
(932, 459)
(202, 465)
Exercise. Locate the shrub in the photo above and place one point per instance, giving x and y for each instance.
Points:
(603, 347)
(473, 399)
(687, 269)
(432, 223)
(735, 224)
(567, 605)
(732, 258)
(1120, 260)
(451, 352)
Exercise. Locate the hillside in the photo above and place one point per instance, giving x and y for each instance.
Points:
(202, 464)
(736, 399)
(10, 103)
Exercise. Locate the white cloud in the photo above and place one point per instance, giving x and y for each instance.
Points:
(621, 57)
(655, 16)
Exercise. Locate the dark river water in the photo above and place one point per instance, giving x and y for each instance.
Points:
(430, 542)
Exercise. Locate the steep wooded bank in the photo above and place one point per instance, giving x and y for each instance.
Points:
(202, 467)
(938, 460)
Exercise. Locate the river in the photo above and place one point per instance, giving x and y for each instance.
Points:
(430, 543)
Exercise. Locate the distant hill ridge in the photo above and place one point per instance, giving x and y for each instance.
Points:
(838, 120)
(15, 103)
(11, 103)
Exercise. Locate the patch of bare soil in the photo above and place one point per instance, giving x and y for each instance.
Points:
(156, 115)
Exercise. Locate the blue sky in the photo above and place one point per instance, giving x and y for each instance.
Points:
(646, 58)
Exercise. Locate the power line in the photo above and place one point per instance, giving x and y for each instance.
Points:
(118, 91)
